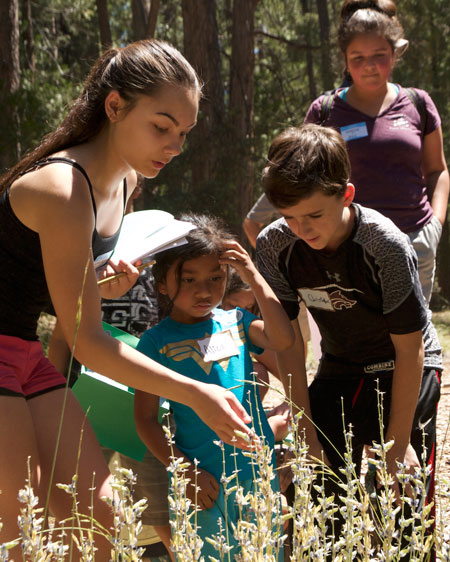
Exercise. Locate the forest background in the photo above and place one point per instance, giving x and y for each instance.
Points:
(262, 62)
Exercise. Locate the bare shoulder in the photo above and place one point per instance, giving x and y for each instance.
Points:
(56, 192)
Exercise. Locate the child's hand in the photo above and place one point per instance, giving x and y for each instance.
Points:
(208, 488)
(235, 255)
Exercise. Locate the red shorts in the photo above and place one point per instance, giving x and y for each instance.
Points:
(24, 370)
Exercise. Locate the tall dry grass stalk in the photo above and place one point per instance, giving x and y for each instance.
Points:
(375, 528)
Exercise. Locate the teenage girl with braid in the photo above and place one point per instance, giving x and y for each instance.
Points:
(61, 210)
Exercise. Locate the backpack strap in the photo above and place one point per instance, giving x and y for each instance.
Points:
(325, 107)
(419, 104)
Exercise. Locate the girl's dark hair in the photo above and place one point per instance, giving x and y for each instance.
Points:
(370, 16)
(206, 239)
(303, 160)
(142, 67)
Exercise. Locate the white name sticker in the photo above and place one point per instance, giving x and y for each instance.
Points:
(316, 299)
(218, 346)
(355, 131)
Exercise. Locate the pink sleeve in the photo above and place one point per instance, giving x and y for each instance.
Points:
(433, 117)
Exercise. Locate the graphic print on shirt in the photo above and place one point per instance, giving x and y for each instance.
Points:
(400, 121)
(333, 276)
(329, 297)
(195, 350)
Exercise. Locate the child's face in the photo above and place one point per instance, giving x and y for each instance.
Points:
(200, 290)
(244, 298)
(370, 60)
(322, 221)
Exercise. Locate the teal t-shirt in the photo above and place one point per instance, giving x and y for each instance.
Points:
(188, 349)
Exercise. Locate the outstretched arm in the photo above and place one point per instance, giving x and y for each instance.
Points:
(406, 383)
(292, 362)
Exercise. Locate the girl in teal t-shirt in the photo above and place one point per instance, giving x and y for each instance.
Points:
(210, 345)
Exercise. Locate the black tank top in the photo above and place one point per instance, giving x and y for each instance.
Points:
(23, 287)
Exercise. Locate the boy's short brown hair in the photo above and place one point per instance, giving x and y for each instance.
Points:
(303, 160)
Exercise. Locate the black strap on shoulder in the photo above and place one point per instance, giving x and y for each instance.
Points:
(61, 159)
(52, 159)
(419, 104)
(125, 194)
(325, 107)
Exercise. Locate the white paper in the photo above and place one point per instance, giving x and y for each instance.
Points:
(145, 233)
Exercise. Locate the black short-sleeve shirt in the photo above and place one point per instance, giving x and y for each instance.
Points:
(358, 295)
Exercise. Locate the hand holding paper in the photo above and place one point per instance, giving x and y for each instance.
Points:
(144, 234)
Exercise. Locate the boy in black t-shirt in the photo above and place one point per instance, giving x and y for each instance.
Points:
(357, 274)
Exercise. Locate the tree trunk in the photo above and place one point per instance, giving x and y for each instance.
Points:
(152, 19)
(325, 63)
(241, 100)
(139, 13)
(308, 52)
(9, 82)
(201, 48)
(103, 24)
(27, 19)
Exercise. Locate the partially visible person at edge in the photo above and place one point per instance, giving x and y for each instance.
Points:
(61, 208)
(357, 273)
(395, 147)
(260, 215)
(213, 346)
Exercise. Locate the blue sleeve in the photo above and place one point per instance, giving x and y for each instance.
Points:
(148, 346)
(247, 319)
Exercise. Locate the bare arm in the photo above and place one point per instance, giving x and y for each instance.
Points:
(252, 229)
(58, 350)
(435, 172)
(405, 391)
(274, 331)
(292, 362)
(146, 407)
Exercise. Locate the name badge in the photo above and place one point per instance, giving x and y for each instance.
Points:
(218, 346)
(355, 131)
(316, 298)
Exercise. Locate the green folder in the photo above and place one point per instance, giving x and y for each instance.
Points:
(110, 406)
